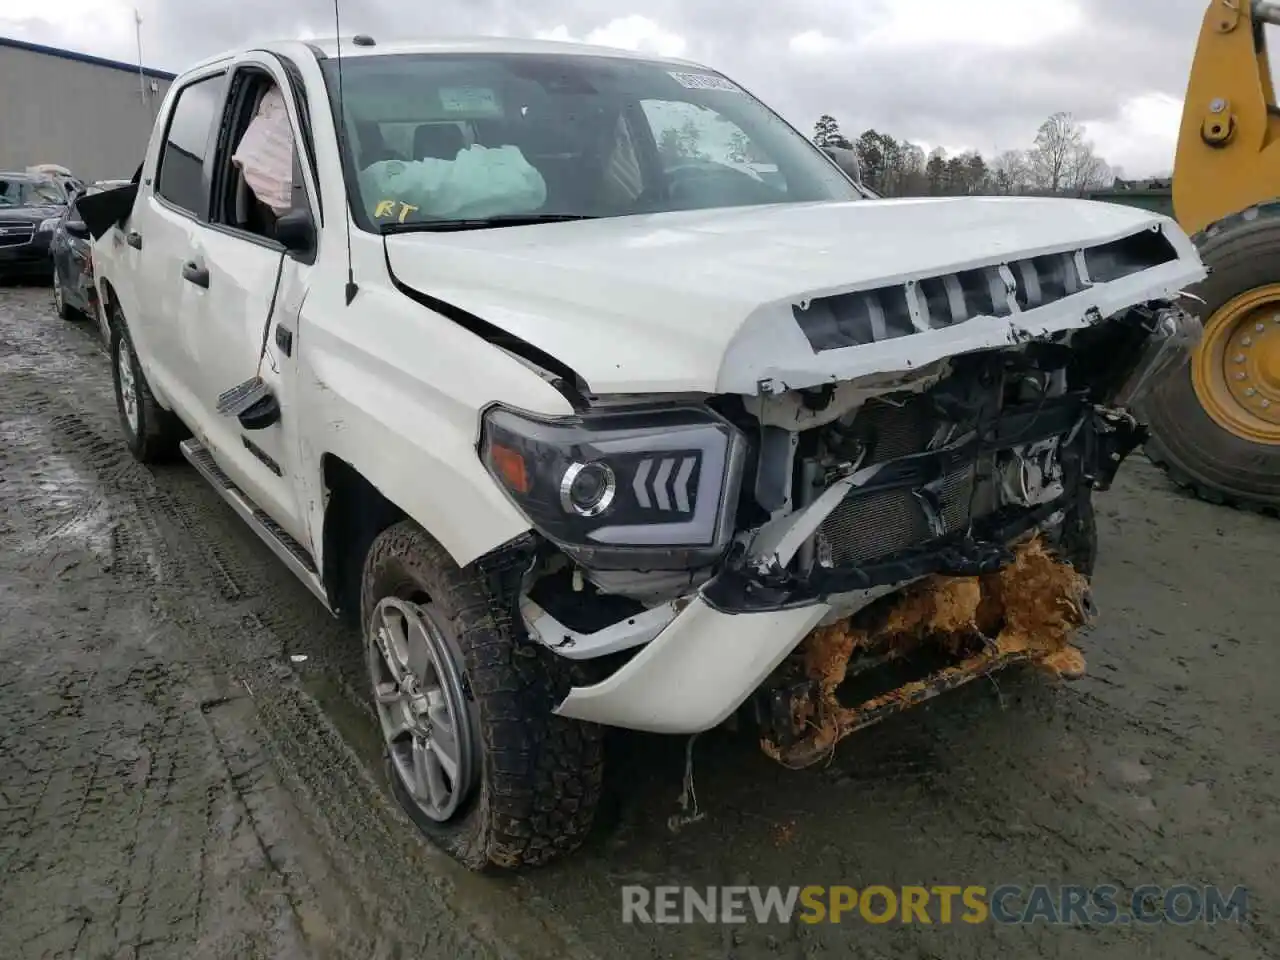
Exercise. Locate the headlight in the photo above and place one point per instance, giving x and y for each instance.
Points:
(47, 225)
(649, 489)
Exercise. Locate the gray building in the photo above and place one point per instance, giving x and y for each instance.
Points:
(91, 115)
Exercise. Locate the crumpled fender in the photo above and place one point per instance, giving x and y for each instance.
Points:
(400, 398)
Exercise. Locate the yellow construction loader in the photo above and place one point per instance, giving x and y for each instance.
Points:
(1216, 424)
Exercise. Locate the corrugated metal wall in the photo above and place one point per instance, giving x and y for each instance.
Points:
(85, 116)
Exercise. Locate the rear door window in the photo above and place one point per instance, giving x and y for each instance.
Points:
(181, 177)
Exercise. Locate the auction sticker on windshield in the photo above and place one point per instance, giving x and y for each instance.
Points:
(703, 81)
(473, 100)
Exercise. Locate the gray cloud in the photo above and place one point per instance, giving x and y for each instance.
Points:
(957, 94)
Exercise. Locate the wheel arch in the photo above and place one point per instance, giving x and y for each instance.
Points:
(110, 302)
(358, 507)
(355, 512)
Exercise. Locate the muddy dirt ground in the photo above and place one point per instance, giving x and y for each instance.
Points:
(176, 782)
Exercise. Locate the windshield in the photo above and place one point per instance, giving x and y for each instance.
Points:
(26, 192)
(448, 138)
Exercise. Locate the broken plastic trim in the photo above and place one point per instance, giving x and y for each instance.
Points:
(633, 631)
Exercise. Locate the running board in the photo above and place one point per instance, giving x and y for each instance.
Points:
(293, 554)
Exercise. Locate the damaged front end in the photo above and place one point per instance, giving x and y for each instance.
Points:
(782, 551)
(969, 500)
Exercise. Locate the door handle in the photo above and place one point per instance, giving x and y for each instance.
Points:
(284, 340)
(134, 239)
(195, 273)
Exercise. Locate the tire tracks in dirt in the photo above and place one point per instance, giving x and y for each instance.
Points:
(238, 821)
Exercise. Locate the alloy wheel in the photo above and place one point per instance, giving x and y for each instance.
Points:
(427, 723)
(128, 385)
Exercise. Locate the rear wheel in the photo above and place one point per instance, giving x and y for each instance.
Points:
(152, 432)
(1215, 422)
(464, 701)
(60, 301)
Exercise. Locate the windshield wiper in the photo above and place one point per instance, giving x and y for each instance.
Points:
(444, 225)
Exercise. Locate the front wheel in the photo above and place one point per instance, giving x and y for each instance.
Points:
(464, 702)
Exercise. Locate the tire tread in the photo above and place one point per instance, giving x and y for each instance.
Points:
(541, 773)
(1243, 252)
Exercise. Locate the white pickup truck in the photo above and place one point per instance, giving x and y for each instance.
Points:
(515, 359)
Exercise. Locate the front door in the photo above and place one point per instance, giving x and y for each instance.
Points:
(232, 341)
(247, 291)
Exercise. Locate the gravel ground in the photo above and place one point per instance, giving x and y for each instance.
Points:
(176, 782)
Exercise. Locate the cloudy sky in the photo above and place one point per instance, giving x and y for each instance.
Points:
(960, 74)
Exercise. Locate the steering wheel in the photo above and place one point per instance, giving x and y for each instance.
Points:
(693, 185)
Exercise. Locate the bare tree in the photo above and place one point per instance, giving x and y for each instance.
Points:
(1086, 170)
(1057, 148)
(1010, 173)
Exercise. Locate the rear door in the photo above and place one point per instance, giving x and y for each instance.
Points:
(162, 234)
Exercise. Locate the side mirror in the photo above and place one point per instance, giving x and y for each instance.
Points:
(77, 228)
(847, 161)
(296, 232)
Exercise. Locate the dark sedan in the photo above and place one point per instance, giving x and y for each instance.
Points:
(30, 207)
(71, 247)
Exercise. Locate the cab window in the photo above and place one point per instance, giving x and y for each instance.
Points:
(257, 174)
(180, 180)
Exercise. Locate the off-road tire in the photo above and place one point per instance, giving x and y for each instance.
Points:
(159, 431)
(540, 774)
(1242, 253)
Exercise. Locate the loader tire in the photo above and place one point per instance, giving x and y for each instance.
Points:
(525, 782)
(1206, 433)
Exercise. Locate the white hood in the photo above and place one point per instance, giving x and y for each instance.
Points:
(703, 300)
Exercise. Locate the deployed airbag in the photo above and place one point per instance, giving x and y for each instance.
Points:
(479, 182)
(265, 154)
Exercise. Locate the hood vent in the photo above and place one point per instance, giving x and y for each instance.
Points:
(870, 316)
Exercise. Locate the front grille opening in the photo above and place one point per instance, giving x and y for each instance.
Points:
(855, 319)
(1057, 276)
(1122, 258)
(984, 293)
(937, 303)
(896, 311)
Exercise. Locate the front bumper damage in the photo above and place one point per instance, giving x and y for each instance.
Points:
(1023, 613)
(733, 636)
(799, 642)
